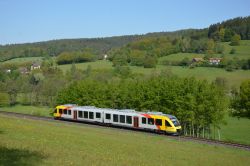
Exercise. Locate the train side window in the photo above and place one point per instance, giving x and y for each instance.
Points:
(167, 123)
(129, 119)
(107, 116)
(80, 114)
(98, 115)
(60, 111)
(115, 117)
(69, 112)
(55, 111)
(150, 121)
(122, 118)
(158, 122)
(91, 115)
(65, 111)
(143, 120)
(85, 114)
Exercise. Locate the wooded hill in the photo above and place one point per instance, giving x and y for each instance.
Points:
(99, 46)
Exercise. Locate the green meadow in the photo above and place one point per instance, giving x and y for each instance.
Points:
(209, 73)
(235, 130)
(55, 143)
(97, 65)
(24, 59)
(31, 110)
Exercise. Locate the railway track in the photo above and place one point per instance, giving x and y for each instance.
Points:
(180, 138)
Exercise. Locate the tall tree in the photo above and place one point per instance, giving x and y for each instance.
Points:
(235, 41)
(241, 100)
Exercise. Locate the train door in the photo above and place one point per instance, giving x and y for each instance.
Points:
(75, 115)
(136, 121)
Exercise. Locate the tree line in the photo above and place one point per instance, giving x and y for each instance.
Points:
(76, 57)
(226, 30)
(197, 104)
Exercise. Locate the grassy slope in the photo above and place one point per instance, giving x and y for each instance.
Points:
(236, 130)
(32, 110)
(180, 56)
(50, 143)
(101, 64)
(242, 51)
(27, 59)
(234, 78)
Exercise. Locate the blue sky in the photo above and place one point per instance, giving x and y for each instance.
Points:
(39, 20)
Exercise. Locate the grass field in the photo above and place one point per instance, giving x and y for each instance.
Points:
(97, 65)
(233, 78)
(236, 130)
(179, 57)
(30, 142)
(242, 51)
(27, 59)
(32, 110)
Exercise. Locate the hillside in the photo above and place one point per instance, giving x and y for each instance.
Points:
(100, 46)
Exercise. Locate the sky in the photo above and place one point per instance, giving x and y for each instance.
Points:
(23, 21)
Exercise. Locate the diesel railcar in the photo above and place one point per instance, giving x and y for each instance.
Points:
(155, 121)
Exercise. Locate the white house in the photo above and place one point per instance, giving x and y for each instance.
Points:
(105, 56)
(214, 61)
(8, 71)
(35, 66)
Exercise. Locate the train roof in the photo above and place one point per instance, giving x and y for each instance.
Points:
(93, 108)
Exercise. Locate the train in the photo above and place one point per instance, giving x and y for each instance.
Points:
(126, 118)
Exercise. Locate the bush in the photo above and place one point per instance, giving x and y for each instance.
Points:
(150, 62)
(4, 99)
(233, 51)
(235, 41)
(77, 57)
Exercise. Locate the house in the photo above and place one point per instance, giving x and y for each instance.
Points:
(214, 61)
(35, 66)
(197, 60)
(105, 56)
(8, 71)
(23, 70)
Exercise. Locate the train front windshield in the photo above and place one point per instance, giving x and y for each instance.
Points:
(175, 122)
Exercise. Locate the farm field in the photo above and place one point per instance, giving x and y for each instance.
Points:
(236, 130)
(52, 143)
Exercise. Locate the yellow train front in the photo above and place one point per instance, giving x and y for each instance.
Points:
(154, 121)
